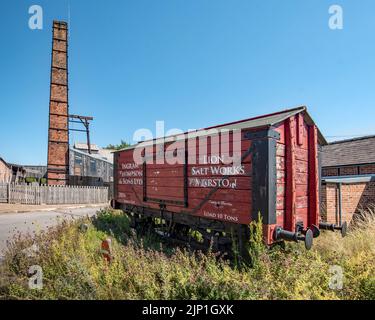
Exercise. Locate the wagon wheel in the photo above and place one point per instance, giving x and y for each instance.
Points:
(133, 223)
(143, 225)
(180, 231)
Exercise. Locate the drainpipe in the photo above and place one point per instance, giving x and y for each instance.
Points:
(340, 204)
(340, 226)
(337, 204)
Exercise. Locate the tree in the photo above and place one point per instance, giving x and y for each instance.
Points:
(120, 146)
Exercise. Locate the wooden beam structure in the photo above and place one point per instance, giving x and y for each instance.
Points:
(86, 123)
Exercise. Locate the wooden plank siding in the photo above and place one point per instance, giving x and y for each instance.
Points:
(165, 182)
(281, 185)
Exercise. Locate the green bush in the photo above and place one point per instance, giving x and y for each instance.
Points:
(30, 180)
(142, 268)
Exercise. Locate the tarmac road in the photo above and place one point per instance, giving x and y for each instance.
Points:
(12, 223)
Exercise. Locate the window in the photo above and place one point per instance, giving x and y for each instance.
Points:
(78, 170)
(78, 160)
(92, 167)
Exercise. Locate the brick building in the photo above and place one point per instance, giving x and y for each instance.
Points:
(11, 173)
(348, 178)
(5, 172)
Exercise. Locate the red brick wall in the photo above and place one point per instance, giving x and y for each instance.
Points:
(349, 170)
(367, 169)
(329, 172)
(5, 173)
(355, 197)
(329, 203)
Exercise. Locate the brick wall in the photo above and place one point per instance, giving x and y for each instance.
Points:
(349, 170)
(355, 197)
(5, 173)
(330, 172)
(367, 169)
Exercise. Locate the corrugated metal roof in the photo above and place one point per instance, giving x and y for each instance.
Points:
(106, 154)
(251, 123)
(349, 152)
(92, 155)
(84, 146)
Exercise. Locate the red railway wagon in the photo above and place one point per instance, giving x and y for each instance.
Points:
(217, 180)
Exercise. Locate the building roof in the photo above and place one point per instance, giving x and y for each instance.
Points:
(349, 152)
(18, 167)
(84, 146)
(92, 155)
(256, 122)
(6, 163)
(106, 154)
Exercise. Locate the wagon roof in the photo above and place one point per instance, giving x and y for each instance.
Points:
(263, 121)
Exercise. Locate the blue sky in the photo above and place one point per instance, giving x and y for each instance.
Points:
(191, 63)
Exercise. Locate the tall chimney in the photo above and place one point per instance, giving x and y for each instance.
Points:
(58, 131)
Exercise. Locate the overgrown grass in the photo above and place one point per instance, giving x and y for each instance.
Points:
(142, 268)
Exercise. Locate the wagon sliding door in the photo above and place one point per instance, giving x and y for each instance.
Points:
(166, 184)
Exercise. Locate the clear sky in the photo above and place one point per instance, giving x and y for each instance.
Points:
(191, 63)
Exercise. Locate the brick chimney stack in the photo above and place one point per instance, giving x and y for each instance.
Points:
(58, 131)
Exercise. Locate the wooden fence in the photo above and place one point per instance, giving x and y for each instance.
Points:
(34, 194)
